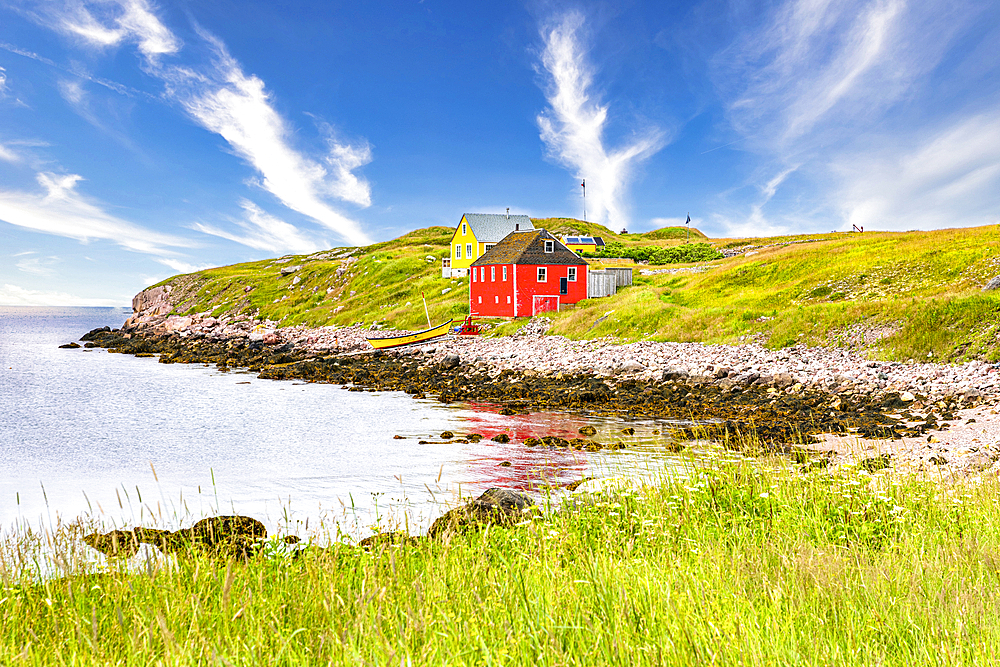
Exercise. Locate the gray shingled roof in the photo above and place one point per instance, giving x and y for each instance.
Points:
(529, 248)
(492, 227)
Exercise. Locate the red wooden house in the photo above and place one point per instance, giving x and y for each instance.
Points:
(525, 274)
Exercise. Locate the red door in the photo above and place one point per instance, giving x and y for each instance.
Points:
(544, 304)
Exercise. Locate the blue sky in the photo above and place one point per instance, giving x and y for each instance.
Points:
(142, 139)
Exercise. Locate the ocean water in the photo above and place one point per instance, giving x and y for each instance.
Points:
(117, 440)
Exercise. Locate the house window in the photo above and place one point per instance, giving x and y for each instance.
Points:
(493, 274)
(480, 299)
(482, 274)
(541, 274)
(488, 246)
(571, 274)
(473, 274)
(505, 273)
(468, 250)
(458, 251)
(508, 299)
(496, 299)
(463, 229)
(550, 246)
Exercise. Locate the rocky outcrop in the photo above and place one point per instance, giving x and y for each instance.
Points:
(495, 507)
(230, 537)
(153, 301)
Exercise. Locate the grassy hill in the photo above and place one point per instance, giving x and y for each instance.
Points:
(899, 295)
(574, 227)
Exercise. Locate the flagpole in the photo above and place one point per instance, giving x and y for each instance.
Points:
(584, 186)
(688, 224)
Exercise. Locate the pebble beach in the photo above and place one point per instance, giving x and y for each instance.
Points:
(968, 445)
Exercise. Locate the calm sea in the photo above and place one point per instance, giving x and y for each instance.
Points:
(122, 440)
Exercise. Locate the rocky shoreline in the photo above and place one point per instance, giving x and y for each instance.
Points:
(847, 407)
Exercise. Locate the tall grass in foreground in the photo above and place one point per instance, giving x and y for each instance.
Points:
(733, 565)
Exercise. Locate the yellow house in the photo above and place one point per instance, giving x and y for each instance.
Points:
(583, 243)
(475, 234)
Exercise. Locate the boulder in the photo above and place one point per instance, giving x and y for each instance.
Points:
(992, 284)
(782, 380)
(223, 536)
(450, 361)
(674, 373)
(286, 270)
(392, 538)
(631, 367)
(495, 507)
(69, 346)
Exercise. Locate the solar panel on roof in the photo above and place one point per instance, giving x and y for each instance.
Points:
(586, 239)
(572, 239)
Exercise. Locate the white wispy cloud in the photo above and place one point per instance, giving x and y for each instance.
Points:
(110, 23)
(15, 295)
(60, 210)
(225, 100)
(3, 82)
(837, 93)
(181, 266)
(263, 231)
(573, 125)
(237, 107)
(7, 155)
(39, 266)
(950, 178)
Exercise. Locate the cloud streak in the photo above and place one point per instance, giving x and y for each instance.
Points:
(238, 108)
(15, 295)
(62, 211)
(949, 179)
(840, 93)
(223, 99)
(573, 125)
(262, 231)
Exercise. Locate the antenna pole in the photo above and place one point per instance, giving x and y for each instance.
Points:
(584, 186)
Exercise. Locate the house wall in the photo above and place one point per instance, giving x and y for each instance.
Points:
(528, 286)
(492, 298)
(463, 240)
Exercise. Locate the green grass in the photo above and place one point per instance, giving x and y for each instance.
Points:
(732, 565)
(921, 289)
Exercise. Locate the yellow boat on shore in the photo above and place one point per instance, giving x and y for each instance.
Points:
(409, 339)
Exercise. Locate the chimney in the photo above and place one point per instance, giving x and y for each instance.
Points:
(508, 212)
(517, 226)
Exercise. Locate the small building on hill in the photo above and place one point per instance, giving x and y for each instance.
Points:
(525, 274)
(475, 234)
(583, 243)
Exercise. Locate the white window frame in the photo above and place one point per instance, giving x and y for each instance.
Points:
(542, 276)
(496, 299)
(550, 246)
(505, 273)
(473, 274)
(468, 250)
(493, 274)
(571, 274)
(480, 299)
(458, 251)
(463, 229)
(488, 246)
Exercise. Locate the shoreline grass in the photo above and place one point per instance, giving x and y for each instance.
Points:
(737, 563)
